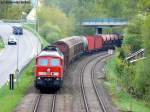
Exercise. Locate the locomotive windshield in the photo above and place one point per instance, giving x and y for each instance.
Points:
(43, 62)
(55, 62)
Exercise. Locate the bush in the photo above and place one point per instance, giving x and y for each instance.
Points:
(54, 24)
(13, 12)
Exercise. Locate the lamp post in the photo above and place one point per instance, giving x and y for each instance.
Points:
(17, 69)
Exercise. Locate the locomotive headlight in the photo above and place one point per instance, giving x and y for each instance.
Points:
(42, 73)
(55, 73)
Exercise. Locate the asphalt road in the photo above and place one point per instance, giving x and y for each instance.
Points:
(29, 46)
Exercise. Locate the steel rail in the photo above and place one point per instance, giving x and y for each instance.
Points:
(95, 87)
(37, 103)
(53, 103)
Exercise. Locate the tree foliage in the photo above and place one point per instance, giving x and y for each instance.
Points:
(54, 24)
(13, 11)
(136, 36)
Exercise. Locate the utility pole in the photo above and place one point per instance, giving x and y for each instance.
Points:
(17, 70)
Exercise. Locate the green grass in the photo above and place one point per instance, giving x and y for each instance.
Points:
(9, 101)
(2, 45)
(31, 27)
(120, 97)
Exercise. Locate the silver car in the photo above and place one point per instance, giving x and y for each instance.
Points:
(12, 40)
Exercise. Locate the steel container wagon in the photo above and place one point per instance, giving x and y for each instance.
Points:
(94, 43)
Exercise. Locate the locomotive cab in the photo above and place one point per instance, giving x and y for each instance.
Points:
(49, 69)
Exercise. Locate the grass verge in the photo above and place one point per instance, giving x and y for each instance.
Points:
(31, 27)
(121, 98)
(2, 45)
(8, 100)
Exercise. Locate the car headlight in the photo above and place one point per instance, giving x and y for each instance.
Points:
(54, 73)
(42, 73)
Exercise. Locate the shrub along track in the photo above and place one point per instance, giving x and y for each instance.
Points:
(71, 97)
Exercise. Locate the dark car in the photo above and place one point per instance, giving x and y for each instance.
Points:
(17, 30)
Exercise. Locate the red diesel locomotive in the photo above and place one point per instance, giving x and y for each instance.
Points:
(49, 68)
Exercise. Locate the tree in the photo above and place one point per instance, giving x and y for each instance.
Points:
(132, 35)
(12, 11)
(146, 34)
(54, 24)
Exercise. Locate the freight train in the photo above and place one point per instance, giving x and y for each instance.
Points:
(52, 62)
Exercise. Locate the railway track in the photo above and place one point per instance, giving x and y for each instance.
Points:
(40, 105)
(83, 88)
(100, 99)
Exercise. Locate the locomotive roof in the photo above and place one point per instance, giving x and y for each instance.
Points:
(51, 53)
